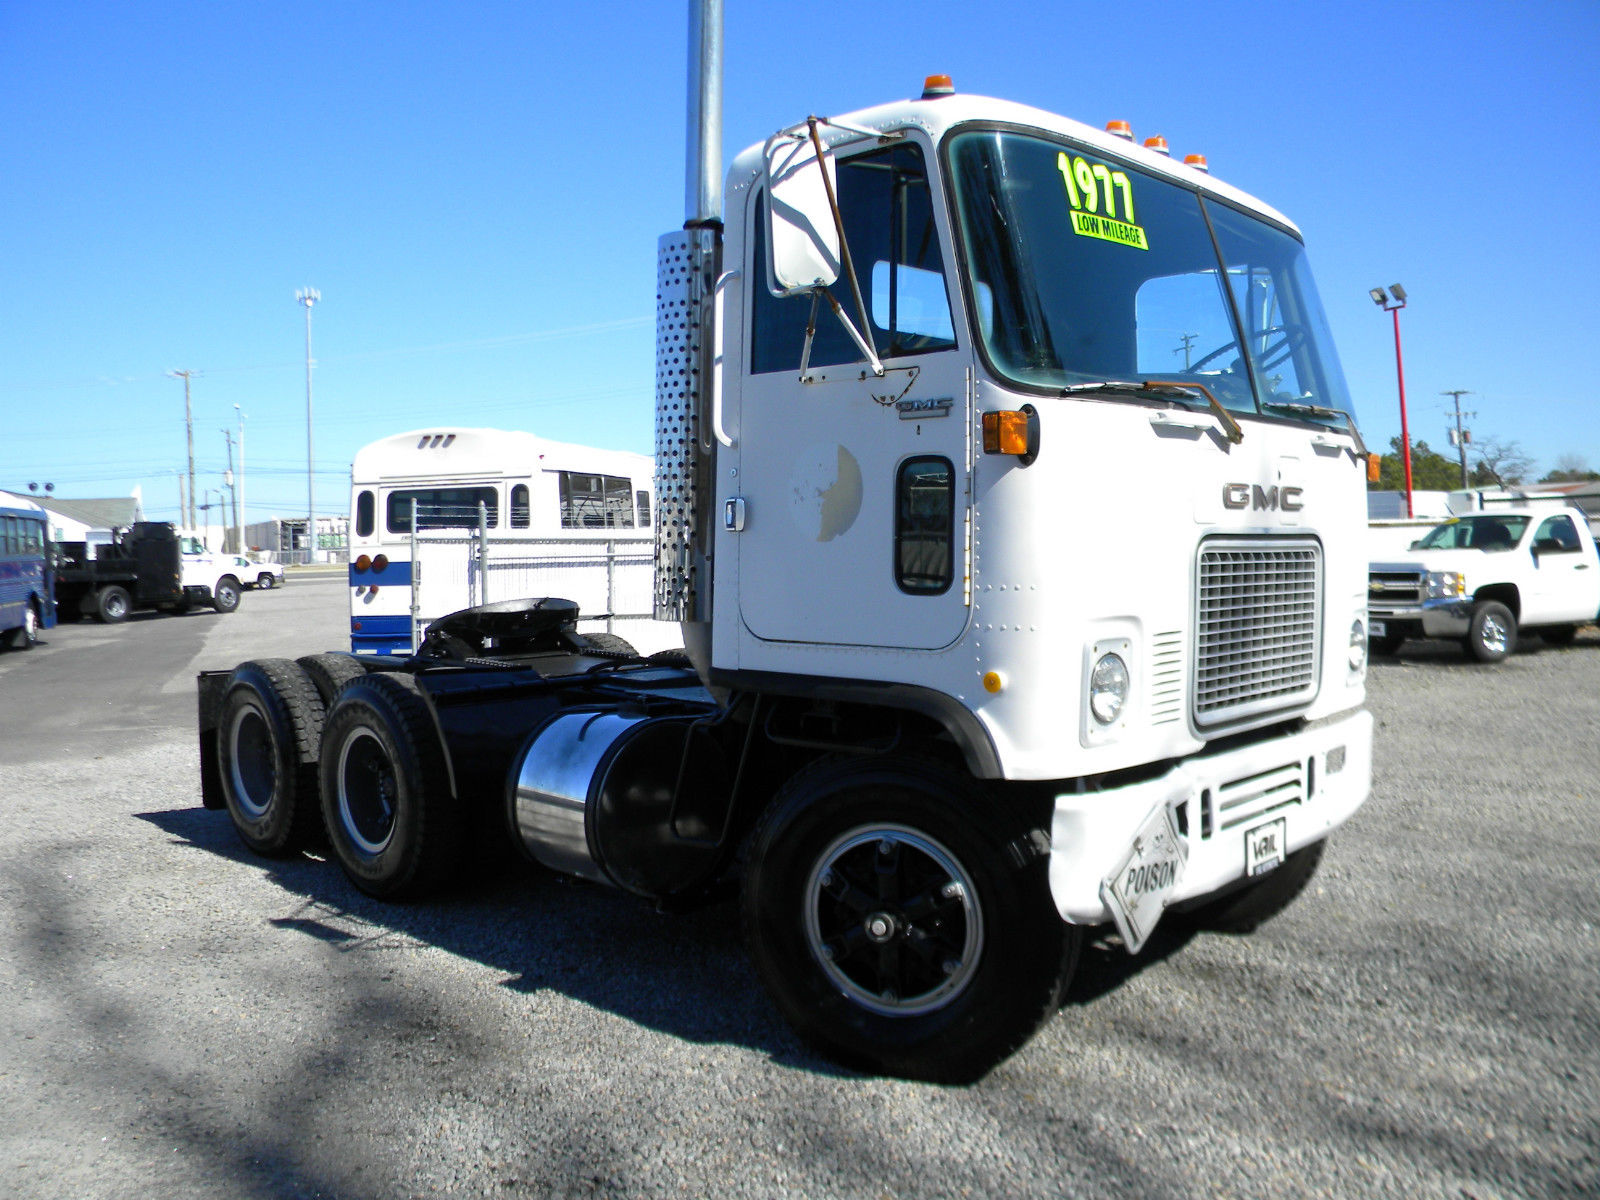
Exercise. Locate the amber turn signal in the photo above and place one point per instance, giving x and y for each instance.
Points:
(361, 564)
(1012, 431)
(1374, 467)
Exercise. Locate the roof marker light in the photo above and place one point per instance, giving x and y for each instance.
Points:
(935, 86)
(1120, 129)
(1158, 144)
(1197, 161)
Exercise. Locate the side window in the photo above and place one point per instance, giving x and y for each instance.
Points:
(641, 505)
(521, 513)
(1557, 535)
(595, 501)
(924, 526)
(443, 508)
(894, 243)
(366, 514)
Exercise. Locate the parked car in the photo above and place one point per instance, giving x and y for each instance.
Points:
(264, 575)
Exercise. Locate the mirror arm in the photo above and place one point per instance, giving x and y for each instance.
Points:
(811, 335)
(848, 263)
(862, 344)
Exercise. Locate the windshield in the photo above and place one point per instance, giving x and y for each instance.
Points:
(1475, 533)
(1085, 270)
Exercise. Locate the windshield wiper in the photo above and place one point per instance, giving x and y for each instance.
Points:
(1179, 389)
(1296, 408)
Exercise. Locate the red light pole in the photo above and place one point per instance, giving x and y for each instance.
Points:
(1383, 301)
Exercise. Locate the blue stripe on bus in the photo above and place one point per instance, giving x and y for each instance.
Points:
(394, 574)
(380, 635)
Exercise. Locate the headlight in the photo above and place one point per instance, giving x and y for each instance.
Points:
(1446, 585)
(1108, 688)
(1358, 645)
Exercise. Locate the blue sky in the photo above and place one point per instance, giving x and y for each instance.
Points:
(477, 190)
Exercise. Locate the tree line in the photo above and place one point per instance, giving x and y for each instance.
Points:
(1493, 462)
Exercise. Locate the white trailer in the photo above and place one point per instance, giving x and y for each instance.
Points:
(934, 731)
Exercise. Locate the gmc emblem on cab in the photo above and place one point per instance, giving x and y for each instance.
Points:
(1253, 495)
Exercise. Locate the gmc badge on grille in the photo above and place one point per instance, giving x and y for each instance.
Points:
(1263, 499)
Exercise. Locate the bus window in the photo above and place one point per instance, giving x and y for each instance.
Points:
(366, 515)
(520, 512)
(442, 508)
(595, 501)
(641, 503)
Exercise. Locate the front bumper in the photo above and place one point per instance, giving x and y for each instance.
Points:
(1438, 618)
(1313, 779)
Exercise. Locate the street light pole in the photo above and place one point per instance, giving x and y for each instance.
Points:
(1393, 302)
(308, 297)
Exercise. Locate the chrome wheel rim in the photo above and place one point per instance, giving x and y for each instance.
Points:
(893, 919)
(1494, 634)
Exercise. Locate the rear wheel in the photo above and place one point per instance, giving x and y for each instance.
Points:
(225, 595)
(329, 673)
(901, 918)
(1492, 635)
(267, 754)
(386, 801)
(112, 604)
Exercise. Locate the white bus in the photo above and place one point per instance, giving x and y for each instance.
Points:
(500, 515)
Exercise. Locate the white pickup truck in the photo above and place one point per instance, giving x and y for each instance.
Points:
(1479, 578)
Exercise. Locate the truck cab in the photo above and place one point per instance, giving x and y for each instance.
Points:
(1481, 578)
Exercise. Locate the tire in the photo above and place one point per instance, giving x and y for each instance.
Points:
(329, 673)
(1389, 644)
(112, 604)
(225, 595)
(386, 802)
(850, 961)
(265, 581)
(608, 643)
(1558, 635)
(24, 636)
(1248, 908)
(1492, 636)
(267, 742)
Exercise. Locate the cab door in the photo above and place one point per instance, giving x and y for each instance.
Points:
(854, 485)
(1566, 580)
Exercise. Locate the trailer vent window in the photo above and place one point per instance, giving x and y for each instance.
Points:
(924, 526)
(596, 501)
(366, 514)
(1257, 615)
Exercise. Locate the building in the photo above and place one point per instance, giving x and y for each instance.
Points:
(88, 521)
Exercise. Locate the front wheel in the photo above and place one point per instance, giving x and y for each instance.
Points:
(25, 636)
(264, 581)
(225, 596)
(1492, 636)
(901, 918)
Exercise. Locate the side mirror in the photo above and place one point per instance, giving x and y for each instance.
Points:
(802, 238)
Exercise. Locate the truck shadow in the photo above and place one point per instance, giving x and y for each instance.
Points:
(684, 974)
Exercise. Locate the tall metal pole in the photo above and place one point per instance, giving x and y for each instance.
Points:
(308, 297)
(233, 491)
(703, 202)
(1461, 434)
(188, 424)
(244, 518)
(1405, 432)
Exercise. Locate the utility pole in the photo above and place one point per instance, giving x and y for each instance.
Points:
(244, 516)
(1460, 436)
(233, 488)
(179, 474)
(308, 297)
(1188, 340)
(188, 424)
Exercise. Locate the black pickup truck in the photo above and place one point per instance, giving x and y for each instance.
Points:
(141, 568)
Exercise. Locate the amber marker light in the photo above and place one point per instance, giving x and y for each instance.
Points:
(1158, 144)
(1120, 129)
(935, 86)
(1197, 161)
(993, 682)
(362, 564)
(380, 562)
(1012, 431)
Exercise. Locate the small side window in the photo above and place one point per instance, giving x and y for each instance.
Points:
(520, 512)
(641, 503)
(924, 526)
(366, 514)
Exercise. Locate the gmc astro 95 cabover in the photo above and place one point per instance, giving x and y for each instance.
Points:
(1013, 515)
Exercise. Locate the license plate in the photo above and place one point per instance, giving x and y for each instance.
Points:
(1264, 847)
(1376, 629)
(1137, 891)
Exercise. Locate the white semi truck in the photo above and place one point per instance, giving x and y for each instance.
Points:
(999, 624)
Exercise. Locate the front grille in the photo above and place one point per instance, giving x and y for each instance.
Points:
(1388, 589)
(1244, 800)
(1258, 605)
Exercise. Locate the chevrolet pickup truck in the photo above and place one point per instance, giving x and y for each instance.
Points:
(1481, 578)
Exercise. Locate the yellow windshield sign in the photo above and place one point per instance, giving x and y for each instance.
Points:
(1094, 191)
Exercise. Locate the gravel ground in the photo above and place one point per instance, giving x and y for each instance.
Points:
(183, 1019)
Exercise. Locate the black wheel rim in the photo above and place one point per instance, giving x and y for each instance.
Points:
(368, 789)
(253, 761)
(893, 919)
